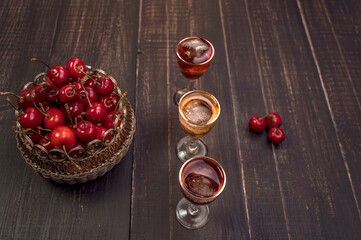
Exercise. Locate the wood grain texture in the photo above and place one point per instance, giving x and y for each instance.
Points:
(308, 165)
(340, 75)
(298, 58)
(103, 35)
(150, 199)
(163, 25)
(264, 199)
(228, 213)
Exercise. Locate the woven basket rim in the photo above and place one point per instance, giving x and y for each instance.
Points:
(89, 174)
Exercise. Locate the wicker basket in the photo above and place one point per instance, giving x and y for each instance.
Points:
(100, 157)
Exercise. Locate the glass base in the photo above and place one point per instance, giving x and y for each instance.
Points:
(178, 95)
(184, 151)
(190, 218)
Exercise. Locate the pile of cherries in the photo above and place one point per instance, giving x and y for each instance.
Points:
(272, 121)
(67, 110)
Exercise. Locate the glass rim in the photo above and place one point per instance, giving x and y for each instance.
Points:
(195, 196)
(195, 64)
(186, 119)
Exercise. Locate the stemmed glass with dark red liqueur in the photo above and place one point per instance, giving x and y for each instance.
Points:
(194, 55)
(202, 180)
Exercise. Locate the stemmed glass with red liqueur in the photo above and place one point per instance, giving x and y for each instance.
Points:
(194, 55)
(202, 180)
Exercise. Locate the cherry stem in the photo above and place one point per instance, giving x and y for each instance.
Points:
(42, 107)
(71, 91)
(27, 130)
(70, 159)
(76, 123)
(77, 94)
(17, 131)
(88, 75)
(274, 122)
(111, 101)
(68, 112)
(86, 94)
(116, 107)
(9, 101)
(44, 129)
(265, 116)
(35, 132)
(38, 60)
(42, 90)
(85, 113)
(84, 124)
(11, 93)
(46, 115)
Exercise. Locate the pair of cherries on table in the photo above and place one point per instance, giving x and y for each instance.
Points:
(272, 121)
(67, 110)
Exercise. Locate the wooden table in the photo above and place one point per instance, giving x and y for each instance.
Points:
(298, 58)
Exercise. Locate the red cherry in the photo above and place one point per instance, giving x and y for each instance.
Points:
(109, 101)
(45, 106)
(59, 75)
(106, 86)
(73, 66)
(71, 126)
(97, 112)
(24, 98)
(100, 134)
(37, 94)
(62, 136)
(91, 82)
(31, 118)
(86, 131)
(78, 86)
(109, 122)
(75, 109)
(49, 83)
(276, 135)
(79, 152)
(41, 91)
(92, 95)
(34, 135)
(45, 142)
(68, 93)
(257, 124)
(25, 101)
(53, 95)
(273, 118)
(29, 96)
(54, 118)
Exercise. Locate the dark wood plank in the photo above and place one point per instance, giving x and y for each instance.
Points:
(266, 212)
(334, 31)
(150, 197)
(156, 188)
(228, 213)
(19, 38)
(313, 187)
(104, 35)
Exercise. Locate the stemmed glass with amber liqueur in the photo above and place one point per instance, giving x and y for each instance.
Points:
(194, 55)
(198, 111)
(202, 180)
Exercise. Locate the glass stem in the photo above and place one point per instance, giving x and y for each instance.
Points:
(190, 85)
(192, 147)
(192, 209)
